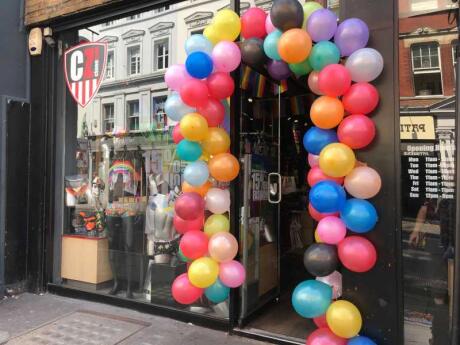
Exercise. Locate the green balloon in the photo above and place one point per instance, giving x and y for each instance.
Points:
(308, 8)
(322, 54)
(301, 68)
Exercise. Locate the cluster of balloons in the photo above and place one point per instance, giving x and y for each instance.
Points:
(198, 103)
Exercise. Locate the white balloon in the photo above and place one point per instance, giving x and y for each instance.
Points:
(218, 200)
(365, 65)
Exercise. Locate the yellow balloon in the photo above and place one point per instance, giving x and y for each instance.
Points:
(211, 34)
(336, 160)
(217, 141)
(205, 156)
(227, 25)
(317, 239)
(344, 319)
(308, 8)
(194, 127)
(203, 272)
(215, 224)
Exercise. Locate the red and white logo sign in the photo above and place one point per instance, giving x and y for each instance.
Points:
(85, 66)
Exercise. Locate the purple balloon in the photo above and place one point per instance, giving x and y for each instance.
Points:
(278, 70)
(321, 25)
(351, 35)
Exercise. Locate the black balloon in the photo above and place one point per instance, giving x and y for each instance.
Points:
(321, 259)
(252, 52)
(286, 14)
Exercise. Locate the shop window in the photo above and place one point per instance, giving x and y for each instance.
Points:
(426, 69)
(161, 54)
(158, 114)
(110, 73)
(134, 60)
(109, 117)
(133, 115)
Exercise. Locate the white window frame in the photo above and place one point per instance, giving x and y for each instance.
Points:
(129, 116)
(156, 41)
(426, 70)
(128, 59)
(111, 75)
(106, 120)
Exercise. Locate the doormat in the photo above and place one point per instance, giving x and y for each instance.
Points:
(82, 328)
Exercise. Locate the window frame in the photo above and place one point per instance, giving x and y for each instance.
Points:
(166, 63)
(112, 68)
(128, 59)
(430, 70)
(129, 116)
(106, 120)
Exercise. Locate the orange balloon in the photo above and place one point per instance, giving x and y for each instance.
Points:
(202, 190)
(294, 46)
(224, 167)
(327, 112)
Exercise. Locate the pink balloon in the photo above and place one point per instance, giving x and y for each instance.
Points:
(357, 254)
(363, 182)
(189, 206)
(334, 80)
(313, 83)
(226, 56)
(331, 230)
(253, 23)
(175, 77)
(356, 131)
(184, 292)
(334, 280)
(223, 247)
(313, 160)
(269, 27)
(182, 226)
(324, 336)
(213, 111)
(316, 175)
(317, 215)
(176, 134)
(194, 244)
(321, 321)
(232, 274)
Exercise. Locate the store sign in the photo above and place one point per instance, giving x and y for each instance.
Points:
(85, 66)
(417, 128)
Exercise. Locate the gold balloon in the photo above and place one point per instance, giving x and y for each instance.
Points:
(336, 160)
(344, 319)
(217, 141)
(317, 239)
(211, 34)
(194, 127)
(203, 272)
(227, 25)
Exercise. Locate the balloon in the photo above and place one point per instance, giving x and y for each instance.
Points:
(184, 292)
(182, 226)
(215, 224)
(356, 131)
(327, 197)
(365, 65)
(351, 35)
(211, 34)
(199, 65)
(271, 45)
(194, 93)
(217, 292)
(315, 139)
(320, 321)
(344, 319)
(317, 239)
(269, 27)
(331, 230)
(360, 340)
(322, 54)
(213, 111)
(189, 206)
(223, 247)
(301, 68)
(189, 150)
(194, 127)
(361, 98)
(313, 160)
(203, 272)
(324, 336)
(363, 183)
(316, 175)
(218, 200)
(196, 173)
(175, 77)
(322, 25)
(232, 274)
(357, 254)
(198, 43)
(311, 298)
(327, 112)
(294, 46)
(224, 167)
(226, 56)
(337, 160)
(334, 280)
(175, 108)
(217, 141)
(313, 79)
(278, 70)
(334, 80)
(182, 257)
(317, 215)
(286, 14)
(221, 85)
(359, 215)
(227, 25)
(177, 135)
(321, 259)
(194, 244)
(252, 52)
(253, 23)
(308, 8)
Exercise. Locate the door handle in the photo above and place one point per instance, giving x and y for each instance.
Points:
(274, 188)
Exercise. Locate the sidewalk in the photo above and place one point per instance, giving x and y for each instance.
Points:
(37, 319)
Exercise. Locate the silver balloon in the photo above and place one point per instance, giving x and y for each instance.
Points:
(334, 280)
(365, 65)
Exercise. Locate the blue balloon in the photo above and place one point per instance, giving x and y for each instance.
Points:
(315, 139)
(271, 45)
(217, 292)
(198, 43)
(327, 197)
(199, 65)
(360, 340)
(196, 173)
(359, 215)
(322, 54)
(176, 109)
(189, 150)
(311, 298)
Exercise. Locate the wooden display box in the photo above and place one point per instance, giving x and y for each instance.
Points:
(85, 259)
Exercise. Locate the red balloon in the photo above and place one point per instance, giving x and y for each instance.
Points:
(176, 134)
(221, 85)
(213, 111)
(194, 244)
(317, 215)
(194, 93)
(184, 292)
(356, 131)
(361, 98)
(189, 206)
(316, 175)
(253, 23)
(182, 226)
(321, 321)
(357, 254)
(324, 336)
(334, 80)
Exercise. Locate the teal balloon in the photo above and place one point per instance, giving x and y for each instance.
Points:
(301, 68)
(217, 292)
(271, 45)
(189, 150)
(311, 298)
(322, 54)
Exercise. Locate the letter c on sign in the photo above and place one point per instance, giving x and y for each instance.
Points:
(76, 65)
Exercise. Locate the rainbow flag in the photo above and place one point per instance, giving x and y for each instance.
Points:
(283, 86)
(296, 105)
(260, 85)
(245, 77)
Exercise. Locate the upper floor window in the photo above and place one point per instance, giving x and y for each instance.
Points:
(109, 117)
(161, 54)
(426, 68)
(159, 114)
(134, 17)
(133, 115)
(134, 60)
(161, 9)
(334, 5)
(109, 23)
(110, 73)
(197, 32)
